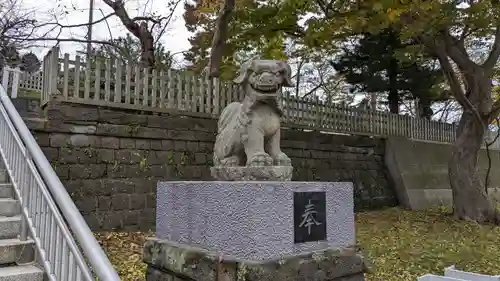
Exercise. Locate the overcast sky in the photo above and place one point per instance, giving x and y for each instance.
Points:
(175, 38)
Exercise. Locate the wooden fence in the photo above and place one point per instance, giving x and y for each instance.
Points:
(106, 82)
(31, 81)
(15, 79)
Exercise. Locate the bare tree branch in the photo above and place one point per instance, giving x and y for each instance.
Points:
(488, 144)
(442, 53)
(168, 20)
(456, 51)
(63, 40)
(298, 77)
(139, 30)
(109, 27)
(15, 21)
(57, 24)
(312, 90)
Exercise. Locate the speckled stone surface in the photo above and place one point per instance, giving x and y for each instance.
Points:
(168, 260)
(249, 220)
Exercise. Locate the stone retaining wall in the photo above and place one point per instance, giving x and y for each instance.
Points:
(110, 160)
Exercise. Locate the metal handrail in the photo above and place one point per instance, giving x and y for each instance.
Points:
(48, 212)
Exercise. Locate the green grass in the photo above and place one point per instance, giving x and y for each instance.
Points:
(28, 93)
(401, 245)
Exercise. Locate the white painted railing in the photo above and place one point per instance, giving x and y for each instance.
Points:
(67, 249)
(452, 274)
(15, 79)
(10, 79)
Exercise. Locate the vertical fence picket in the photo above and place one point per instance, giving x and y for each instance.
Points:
(76, 83)
(216, 96)
(107, 81)
(331, 114)
(15, 84)
(317, 115)
(145, 87)
(118, 82)
(171, 89)
(188, 91)
(65, 76)
(154, 90)
(194, 93)
(128, 83)
(137, 84)
(286, 107)
(235, 93)
(97, 80)
(209, 97)
(178, 91)
(222, 95)
(297, 110)
(162, 89)
(229, 90)
(86, 92)
(202, 96)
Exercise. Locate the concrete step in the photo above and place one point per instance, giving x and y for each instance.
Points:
(21, 273)
(6, 190)
(9, 207)
(452, 272)
(4, 176)
(16, 251)
(10, 227)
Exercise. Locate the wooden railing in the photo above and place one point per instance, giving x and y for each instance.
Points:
(106, 82)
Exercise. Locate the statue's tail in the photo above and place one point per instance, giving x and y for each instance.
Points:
(224, 140)
(229, 113)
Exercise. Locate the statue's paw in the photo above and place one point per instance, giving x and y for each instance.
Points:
(282, 160)
(230, 161)
(260, 159)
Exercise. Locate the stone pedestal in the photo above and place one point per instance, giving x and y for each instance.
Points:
(169, 261)
(255, 231)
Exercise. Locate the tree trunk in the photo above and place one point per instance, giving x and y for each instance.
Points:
(220, 37)
(393, 97)
(424, 109)
(147, 46)
(392, 74)
(147, 51)
(470, 201)
(140, 31)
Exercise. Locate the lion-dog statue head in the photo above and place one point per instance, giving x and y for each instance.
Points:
(262, 80)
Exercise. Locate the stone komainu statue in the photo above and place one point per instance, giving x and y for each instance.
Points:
(249, 131)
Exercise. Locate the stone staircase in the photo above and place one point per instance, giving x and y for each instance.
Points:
(17, 258)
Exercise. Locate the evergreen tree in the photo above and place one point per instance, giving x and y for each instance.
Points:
(128, 50)
(372, 66)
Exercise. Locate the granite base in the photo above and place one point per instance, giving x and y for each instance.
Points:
(252, 220)
(170, 261)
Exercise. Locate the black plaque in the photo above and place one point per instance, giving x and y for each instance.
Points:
(309, 215)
